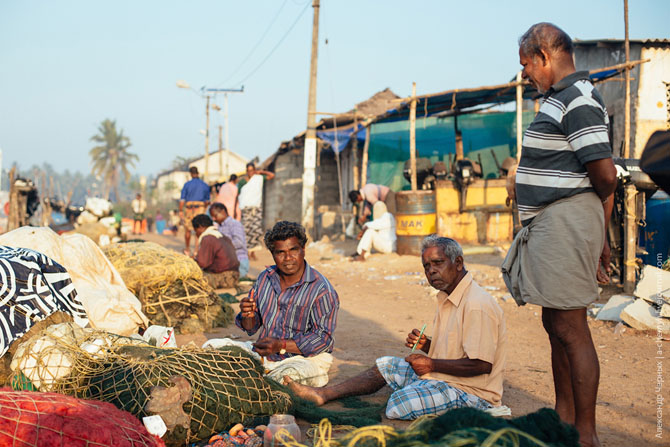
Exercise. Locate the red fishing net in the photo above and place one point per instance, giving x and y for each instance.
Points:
(29, 419)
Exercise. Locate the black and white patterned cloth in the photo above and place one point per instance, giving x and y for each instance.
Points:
(32, 287)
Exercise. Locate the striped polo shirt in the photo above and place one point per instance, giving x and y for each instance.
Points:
(305, 312)
(570, 130)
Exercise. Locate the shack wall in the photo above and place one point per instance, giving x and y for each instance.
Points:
(653, 109)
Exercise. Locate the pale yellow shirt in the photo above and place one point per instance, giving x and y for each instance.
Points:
(470, 323)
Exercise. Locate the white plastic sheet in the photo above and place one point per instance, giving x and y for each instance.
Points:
(109, 304)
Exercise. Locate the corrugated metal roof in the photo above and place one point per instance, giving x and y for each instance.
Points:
(578, 42)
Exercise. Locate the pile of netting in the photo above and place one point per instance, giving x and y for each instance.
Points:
(463, 427)
(30, 419)
(197, 392)
(170, 286)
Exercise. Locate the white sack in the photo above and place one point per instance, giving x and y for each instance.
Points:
(110, 306)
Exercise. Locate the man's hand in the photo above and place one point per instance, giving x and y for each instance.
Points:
(412, 338)
(420, 363)
(248, 307)
(360, 234)
(267, 346)
(604, 268)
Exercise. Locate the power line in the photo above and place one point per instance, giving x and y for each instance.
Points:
(255, 47)
(277, 45)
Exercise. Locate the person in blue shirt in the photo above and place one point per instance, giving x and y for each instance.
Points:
(194, 201)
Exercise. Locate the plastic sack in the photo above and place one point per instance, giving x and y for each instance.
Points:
(110, 306)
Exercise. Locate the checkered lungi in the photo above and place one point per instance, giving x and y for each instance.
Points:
(192, 209)
(252, 221)
(413, 397)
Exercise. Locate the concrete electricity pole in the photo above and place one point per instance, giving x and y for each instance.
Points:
(309, 166)
(206, 141)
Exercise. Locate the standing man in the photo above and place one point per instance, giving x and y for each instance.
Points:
(234, 231)
(294, 307)
(369, 195)
(194, 201)
(251, 204)
(465, 358)
(228, 196)
(216, 254)
(139, 206)
(564, 188)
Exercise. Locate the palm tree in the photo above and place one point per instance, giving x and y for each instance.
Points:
(111, 157)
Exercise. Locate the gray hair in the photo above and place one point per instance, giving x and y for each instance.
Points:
(450, 247)
(545, 36)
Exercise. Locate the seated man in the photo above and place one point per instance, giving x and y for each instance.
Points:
(295, 309)
(216, 254)
(234, 231)
(378, 233)
(465, 361)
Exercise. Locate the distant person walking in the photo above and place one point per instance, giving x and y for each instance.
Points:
(228, 197)
(251, 204)
(194, 201)
(139, 206)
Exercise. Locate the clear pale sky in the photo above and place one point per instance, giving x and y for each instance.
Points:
(67, 65)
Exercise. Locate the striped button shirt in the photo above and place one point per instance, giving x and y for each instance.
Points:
(570, 130)
(305, 312)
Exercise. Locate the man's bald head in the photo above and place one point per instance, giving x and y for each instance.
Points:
(545, 37)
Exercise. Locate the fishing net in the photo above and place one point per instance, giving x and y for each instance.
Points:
(197, 392)
(170, 286)
(30, 419)
(463, 427)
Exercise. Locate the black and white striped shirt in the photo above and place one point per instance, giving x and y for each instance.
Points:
(570, 130)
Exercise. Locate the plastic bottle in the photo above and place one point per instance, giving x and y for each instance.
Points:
(280, 422)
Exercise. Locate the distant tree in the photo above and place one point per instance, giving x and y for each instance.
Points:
(110, 158)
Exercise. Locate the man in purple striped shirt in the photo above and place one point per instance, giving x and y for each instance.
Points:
(293, 305)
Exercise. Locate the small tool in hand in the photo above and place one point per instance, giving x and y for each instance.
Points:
(423, 328)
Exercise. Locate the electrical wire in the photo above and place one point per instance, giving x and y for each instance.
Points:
(255, 47)
(276, 46)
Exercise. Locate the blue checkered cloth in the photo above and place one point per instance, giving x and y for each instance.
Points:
(413, 397)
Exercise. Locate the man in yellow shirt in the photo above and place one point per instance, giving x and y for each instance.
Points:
(465, 358)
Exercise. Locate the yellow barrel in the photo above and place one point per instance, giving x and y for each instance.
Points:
(415, 219)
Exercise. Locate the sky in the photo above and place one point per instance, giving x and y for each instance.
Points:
(65, 66)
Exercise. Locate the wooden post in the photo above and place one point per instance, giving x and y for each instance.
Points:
(364, 161)
(459, 139)
(354, 150)
(412, 136)
(630, 239)
(626, 112)
(519, 115)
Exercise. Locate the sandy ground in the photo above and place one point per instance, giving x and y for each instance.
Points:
(382, 299)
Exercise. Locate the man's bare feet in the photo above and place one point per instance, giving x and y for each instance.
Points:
(358, 258)
(306, 392)
(252, 256)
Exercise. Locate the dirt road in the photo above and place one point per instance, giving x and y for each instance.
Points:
(385, 297)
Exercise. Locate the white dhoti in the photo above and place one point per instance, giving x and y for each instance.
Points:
(311, 371)
(377, 240)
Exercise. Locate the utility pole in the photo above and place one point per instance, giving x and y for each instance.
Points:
(309, 164)
(225, 92)
(221, 153)
(225, 122)
(207, 140)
